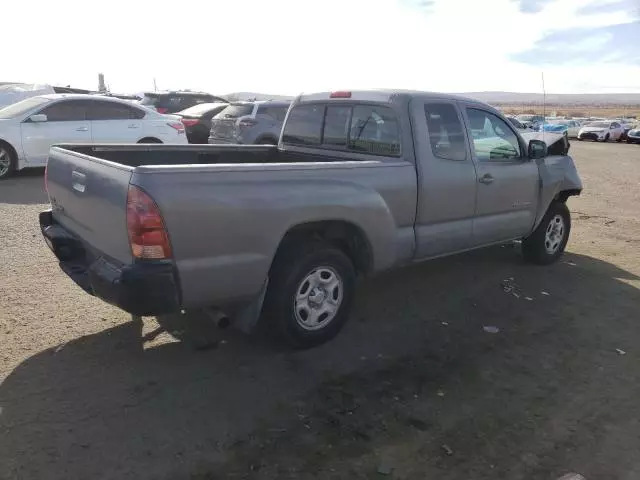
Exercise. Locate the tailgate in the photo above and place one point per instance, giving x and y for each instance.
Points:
(88, 197)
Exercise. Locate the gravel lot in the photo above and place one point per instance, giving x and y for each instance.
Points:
(414, 387)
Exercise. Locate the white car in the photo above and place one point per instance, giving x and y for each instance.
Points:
(28, 128)
(601, 131)
(573, 127)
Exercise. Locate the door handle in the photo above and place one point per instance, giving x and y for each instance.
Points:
(486, 179)
(82, 129)
(133, 126)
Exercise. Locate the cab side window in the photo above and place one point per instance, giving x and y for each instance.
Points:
(445, 131)
(493, 139)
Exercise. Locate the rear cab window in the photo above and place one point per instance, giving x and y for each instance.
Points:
(355, 127)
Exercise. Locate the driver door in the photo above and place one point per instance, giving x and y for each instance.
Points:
(508, 182)
(66, 123)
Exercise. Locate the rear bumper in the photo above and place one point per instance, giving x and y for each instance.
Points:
(143, 288)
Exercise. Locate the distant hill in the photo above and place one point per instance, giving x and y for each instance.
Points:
(236, 96)
(501, 98)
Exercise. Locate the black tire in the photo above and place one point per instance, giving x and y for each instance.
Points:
(534, 247)
(150, 140)
(619, 139)
(606, 137)
(7, 153)
(267, 141)
(289, 270)
(579, 139)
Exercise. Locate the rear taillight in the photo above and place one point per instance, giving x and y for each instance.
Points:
(189, 122)
(247, 122)
(147, 234)
(161, 110)
(179, 126)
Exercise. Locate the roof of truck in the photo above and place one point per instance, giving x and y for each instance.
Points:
(384, 95)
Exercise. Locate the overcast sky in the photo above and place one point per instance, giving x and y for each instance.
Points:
(289, 46)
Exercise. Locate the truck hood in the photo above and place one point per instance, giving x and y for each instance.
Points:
(547, 137)
(557, 143)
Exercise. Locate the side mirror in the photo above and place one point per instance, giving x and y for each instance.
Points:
(537, 149)
(38, 117)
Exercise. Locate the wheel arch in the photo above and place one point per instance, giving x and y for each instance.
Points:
(345, 235)
(149, 139)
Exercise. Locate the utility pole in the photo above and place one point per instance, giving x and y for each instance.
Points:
(101, 85)
(155, 86)
(544, 99)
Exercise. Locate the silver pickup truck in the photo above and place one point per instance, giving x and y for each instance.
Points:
(360, 182)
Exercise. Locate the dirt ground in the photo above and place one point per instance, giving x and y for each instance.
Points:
(414, 387)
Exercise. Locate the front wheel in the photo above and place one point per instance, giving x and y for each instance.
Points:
(606, 137)
(311, 287)
(548, 241)
(7, 162)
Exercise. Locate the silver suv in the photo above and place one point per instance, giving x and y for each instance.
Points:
(257, 122)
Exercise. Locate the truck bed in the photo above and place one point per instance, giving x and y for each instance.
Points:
(227, 207)
(160, 154)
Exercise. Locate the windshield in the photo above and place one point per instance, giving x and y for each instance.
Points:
(149, 99)
(599, 124)
(235, 110)
(201, 109)
(22, 107)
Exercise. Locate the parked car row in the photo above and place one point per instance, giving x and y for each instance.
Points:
(28, 128)
(582, 129)
(176, 101)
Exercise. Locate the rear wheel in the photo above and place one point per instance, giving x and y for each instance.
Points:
(548, 241)
(311, 287)
(7, 161)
